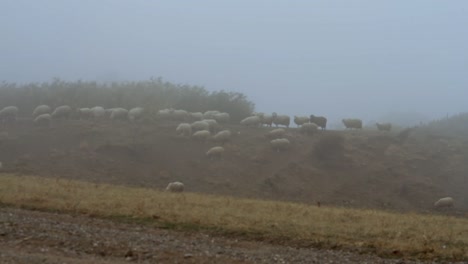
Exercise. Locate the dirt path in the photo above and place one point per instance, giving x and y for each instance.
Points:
(39, 237)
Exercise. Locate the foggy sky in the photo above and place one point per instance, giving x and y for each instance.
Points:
(334, 58)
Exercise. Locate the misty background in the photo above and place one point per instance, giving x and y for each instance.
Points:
(361, 59)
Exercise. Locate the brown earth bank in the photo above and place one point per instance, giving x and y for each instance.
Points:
(364, 169)
(42, 237)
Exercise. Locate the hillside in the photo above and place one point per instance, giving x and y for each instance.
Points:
(364, 169)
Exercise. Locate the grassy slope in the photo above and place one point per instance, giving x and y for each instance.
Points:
(409, 235)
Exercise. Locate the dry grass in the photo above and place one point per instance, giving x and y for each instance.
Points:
(409, 235)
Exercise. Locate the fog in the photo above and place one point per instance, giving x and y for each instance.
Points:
(362, 59)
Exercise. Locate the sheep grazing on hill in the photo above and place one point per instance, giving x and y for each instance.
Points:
(42, 120)
(98, 112)
(308, 128)
(165, 114)
(384, 127)
(276, 133)
(198, 116)
(444, 202)
(180, 115)
(184, 129)
(266, 120)
(320, 121)
(175, 187)
(215, 152)
(9, 114)
(119, 114)
(352, 123)
(283, 120)
(280, 144)
(84, 113)
(250, 121)
(136, 114)
(41, 109)
(300, 120)
(213, 124)
(200, 125)
(202, 135)
(63, 111)
(210, 114)
(222, 118)
(222, 136)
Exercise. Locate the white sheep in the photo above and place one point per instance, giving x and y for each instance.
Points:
(280, 144)
(202, 135)
(222, 118)
(9, 114)
(308, 128)
(165, 113)
(84, 113)
(175, 187)
(119, 114)
(184, 129)
(250, 121)
(352, 123)
(98, 112)
(215, 152)
(136, 114)
(276, 133)
(283, 120)
(210, 114)
(300, 120)
(266, 120)
(63, 111)
(200, 125)
(212, 123)
(222, 136)
(180, 115)
(197, 116)
(444, 202)
(41, 109)
(320, 121)
(42, 120)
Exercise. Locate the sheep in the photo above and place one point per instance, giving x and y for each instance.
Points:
(9, 114)
(184, 129)
(299, 120)
(276, 133)
(352, 123)
(84, 113)
(384, 127)
(180, 115)
(165, 113)
(212, 123)
(222, 136)
(175, 187)
(135, 114)
(266, 120)
(283, 120)
(308, 128)
(98, 112)
(41, 109)
(215, 152)
(444, 202)
(202, 135)
(63, 111)
(197, 116)
(280, 144)
(42, 120)
(210, 114)
(222, 117)
(250, 121)
(200, 125)
(119, 114)
(320, 121)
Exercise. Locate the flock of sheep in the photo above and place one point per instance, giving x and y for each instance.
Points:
(202, 127)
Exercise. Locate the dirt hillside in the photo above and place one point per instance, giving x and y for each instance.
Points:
(367, 169)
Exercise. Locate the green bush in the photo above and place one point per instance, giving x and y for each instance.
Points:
(153, 95)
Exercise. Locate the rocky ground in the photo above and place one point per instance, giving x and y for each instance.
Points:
(40, 237)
